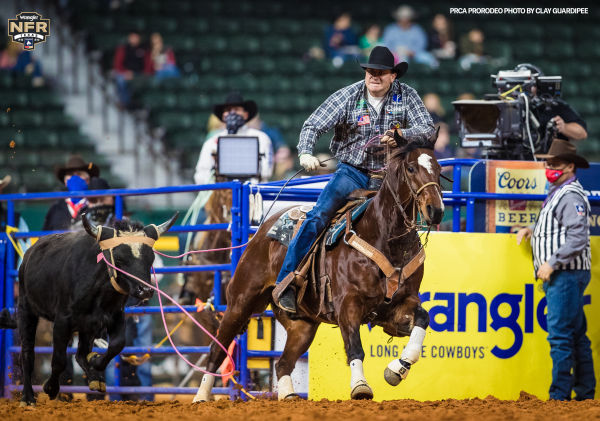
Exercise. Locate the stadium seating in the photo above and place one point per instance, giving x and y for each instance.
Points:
(38, 135)
(260, 48)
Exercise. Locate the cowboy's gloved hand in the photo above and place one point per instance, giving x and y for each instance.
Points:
(309, 162)
(388, 139)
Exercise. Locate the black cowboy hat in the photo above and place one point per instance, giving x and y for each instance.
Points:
(76, 163)
(382, 58)
(565, 151)
(235, 99)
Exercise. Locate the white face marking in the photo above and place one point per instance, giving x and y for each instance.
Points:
(424, 160)
(136, 248)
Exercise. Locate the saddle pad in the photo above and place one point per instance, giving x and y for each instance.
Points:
(283, 229)
(334, 232)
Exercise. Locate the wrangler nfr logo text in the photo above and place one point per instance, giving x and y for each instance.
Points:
(29, 29)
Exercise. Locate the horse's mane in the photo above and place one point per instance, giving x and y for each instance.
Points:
(128, 225)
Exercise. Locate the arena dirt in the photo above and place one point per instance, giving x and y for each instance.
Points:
(526, 408)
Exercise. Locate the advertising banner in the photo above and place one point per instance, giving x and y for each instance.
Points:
(487, 334)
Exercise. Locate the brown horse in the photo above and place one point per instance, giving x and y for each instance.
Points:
(410, 186)
(200, 284)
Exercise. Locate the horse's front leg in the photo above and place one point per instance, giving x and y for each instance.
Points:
(397, 370)
(351, 315)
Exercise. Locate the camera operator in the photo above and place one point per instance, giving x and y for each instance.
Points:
(557, 118)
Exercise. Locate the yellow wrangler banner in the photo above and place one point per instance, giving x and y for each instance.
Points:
(487, 331)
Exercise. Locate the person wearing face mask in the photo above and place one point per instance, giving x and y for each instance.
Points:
(75, 175)
(366, 112)
(560, 241)
(235, 112)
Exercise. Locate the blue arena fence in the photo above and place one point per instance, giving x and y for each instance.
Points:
(240, 231)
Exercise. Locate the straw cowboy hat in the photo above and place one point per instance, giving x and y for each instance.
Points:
(76, 163)
(565, 151)
(235, 99)
(382, 58)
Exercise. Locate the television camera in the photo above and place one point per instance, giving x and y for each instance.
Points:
(504, 125)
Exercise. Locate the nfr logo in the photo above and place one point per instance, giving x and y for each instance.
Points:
(29, 28)
(454, 313)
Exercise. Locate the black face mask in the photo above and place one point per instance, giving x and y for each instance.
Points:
(233, 122)
(102, 214)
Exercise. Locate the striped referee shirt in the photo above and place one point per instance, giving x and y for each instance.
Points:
(561, 235)
(356, 122)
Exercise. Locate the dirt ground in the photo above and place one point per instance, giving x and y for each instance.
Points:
(526, 408)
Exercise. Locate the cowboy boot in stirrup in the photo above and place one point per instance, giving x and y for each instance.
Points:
(287, 299)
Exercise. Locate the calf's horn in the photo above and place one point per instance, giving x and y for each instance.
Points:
(165, 226)
(89, 226)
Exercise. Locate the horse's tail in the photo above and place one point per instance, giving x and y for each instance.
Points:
(6, 320)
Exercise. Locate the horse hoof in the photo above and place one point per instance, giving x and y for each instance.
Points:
(292, 397)
(28, 405)
(361, 391)
(392, 378)
(94, 385)
(102, 387)
(50, 390)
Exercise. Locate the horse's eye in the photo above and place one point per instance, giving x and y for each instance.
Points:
(410, 169)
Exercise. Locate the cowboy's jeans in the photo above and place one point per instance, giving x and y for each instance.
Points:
(345, 180)
(572, 363)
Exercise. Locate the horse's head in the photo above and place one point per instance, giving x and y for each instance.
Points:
(414, 164)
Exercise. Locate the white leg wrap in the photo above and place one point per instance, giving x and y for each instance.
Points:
(412, 352)
(204, 393)
(285, 387)
(357, 375)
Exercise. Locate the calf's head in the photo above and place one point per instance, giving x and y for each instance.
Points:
(128, 245)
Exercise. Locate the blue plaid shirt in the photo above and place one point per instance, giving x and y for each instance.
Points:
(356, 122)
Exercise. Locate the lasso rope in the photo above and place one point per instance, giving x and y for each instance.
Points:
(162, 313)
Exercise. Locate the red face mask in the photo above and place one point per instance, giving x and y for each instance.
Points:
(553, 175)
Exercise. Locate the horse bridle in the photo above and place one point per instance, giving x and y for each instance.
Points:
(410, 223)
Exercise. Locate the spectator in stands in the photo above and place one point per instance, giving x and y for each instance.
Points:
(441, 38)
(235, 112)
(162, 59)
(443, 148)
(557, 118)
(433, 103)
(406, 39)
(370, 39)
(472, 49)
(340, 41)
(14, 58)
(285, 160)
(130, 60)
(273, 132)
(75, 175)
(560, 242)
(213, 126)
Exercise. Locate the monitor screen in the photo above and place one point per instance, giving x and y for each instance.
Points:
(237, 156)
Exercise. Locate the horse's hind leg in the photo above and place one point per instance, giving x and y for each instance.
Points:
(300, 334)
(397, 370)
(27, 324)
(243, 304)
